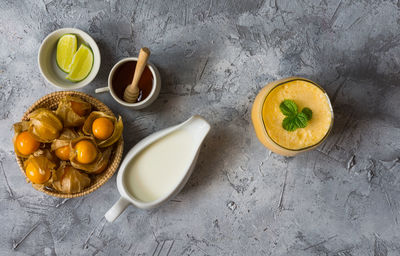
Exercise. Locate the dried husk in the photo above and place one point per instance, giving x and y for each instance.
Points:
(93, 167)
(44, 125)
(48, 154)
(70, 180)
(42, 163)
(65, 139)
(68, 115)
(118, 128)
(103, 161)
(18, 128)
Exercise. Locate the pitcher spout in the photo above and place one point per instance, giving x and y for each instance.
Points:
(198, 126)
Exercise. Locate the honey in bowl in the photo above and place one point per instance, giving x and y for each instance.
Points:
(123, 77)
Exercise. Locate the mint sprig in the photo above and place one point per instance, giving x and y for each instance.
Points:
(294, 119)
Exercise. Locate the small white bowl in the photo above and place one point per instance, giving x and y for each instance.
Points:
(155, 90)
(47, 59)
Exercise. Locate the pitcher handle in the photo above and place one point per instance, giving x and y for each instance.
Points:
(116, 209)
(102, 89)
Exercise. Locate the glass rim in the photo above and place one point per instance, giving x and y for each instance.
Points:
(330, 106)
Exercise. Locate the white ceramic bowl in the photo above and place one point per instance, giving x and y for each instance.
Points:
(155, 91)
(47, 59)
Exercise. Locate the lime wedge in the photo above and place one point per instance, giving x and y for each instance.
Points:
(66, 48)
(81, 65)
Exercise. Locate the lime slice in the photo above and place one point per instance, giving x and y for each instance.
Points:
(66, 48)
(81, 65)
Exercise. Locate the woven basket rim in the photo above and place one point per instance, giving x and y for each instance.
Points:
(115, 157)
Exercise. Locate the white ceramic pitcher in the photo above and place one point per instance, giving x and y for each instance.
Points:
(195, 125)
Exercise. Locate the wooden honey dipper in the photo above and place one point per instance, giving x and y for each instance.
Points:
(131, 92)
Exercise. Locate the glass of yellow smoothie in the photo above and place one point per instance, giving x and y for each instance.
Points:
(292, 115)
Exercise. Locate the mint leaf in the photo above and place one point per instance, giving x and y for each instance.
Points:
(301, 120)
(289, 124)
(293, 119)
(308, 113)
(288, 108)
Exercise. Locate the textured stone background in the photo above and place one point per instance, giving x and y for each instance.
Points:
(341, 199)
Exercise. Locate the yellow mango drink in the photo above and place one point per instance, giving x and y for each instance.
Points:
(292, 115)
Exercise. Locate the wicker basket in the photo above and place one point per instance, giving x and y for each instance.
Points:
(50, 101)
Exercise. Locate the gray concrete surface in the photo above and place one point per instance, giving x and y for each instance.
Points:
(341, 199)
